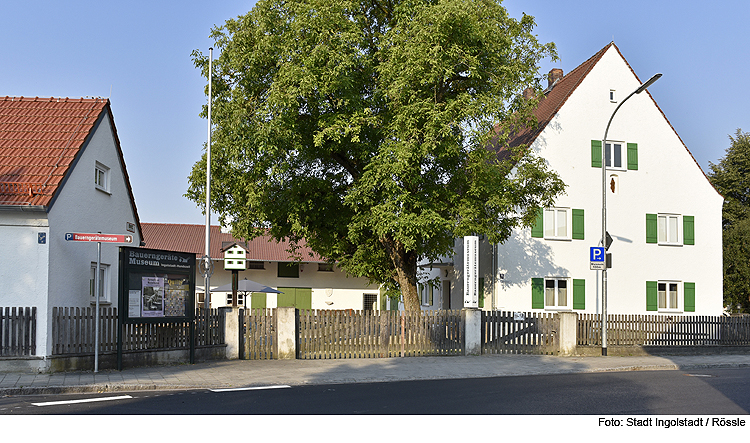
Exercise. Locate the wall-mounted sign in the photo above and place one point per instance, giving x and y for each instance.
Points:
(99, 238)
(471, 272)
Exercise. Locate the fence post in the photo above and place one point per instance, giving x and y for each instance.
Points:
(286, 333)
(231, 331)
(472, 322)
(568, 333)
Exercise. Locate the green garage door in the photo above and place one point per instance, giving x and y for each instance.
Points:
(300, 298)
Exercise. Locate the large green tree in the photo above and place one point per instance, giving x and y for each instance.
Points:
(362, 126)
(731, 177)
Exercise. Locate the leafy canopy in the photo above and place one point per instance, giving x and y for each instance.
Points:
(362, 126)
(731, 177)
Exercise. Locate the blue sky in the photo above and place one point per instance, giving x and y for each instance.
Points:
(138, 54)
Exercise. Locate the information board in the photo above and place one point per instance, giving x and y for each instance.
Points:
(156, 285)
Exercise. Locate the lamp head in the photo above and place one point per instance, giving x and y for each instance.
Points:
(648, 83)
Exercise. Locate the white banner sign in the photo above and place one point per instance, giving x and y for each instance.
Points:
(471, 272)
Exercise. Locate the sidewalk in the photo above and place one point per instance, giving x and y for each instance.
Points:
(244, 373)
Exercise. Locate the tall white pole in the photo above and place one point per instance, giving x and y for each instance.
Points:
(207, 299)
(97, 288)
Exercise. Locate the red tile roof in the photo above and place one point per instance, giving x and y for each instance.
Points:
(39, 139)
(192, 239)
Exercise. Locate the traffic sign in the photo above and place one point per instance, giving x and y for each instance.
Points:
(99, 238)
(596, 258)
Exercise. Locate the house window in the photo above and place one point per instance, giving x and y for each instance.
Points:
(369, 302)
(556, 293)
(426, 294)
(103, 283)
(613, 155)
(612, 96)
(240, 299)
(255, 264)
(288, 270)
(557, 223)
(668, 229)
(667, 295)
(325, 267)
(101, 177)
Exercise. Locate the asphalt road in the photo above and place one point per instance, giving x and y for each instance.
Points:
(708, 392)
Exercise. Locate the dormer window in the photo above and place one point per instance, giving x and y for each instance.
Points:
(101, 177)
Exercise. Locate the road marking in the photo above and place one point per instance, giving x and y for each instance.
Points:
(699, 375)
(257, 388)
(84, 400)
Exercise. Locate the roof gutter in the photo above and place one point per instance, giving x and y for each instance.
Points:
(23, 208)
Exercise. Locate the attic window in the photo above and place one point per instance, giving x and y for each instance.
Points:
(101, 177)
(612, 96)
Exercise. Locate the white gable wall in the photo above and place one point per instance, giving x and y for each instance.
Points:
(667, 181)
(81, 207)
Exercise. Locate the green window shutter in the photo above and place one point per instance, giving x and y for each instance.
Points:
(578, 226)
(286, 298)
(651, 228)
(258, 300)
(633, 156)
(596, 153)
(688, 229)
(537, 293)
(579, 294)
(537, 231)
(689, 297)
(290, 270)
(651, 296)
(481, 292)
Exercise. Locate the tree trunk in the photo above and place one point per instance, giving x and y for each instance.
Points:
(405, 265)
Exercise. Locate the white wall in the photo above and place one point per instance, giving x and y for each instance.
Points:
(81, 207)
(668, 180)
(331, 290)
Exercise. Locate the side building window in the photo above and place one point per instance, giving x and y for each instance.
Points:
(101, 177)
(670, 229)
(103, 283)
(670, 296)
(559, 224)
(288, 270)
(614, 155)
(558, 293)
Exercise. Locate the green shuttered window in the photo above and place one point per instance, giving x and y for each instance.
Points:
(537, 293)
(651, 228)
(688, 229)
(633, 156)
(689, 297)
(651, 296)
(579, 294)
(537, 231)
(596, 153)
(578, 224)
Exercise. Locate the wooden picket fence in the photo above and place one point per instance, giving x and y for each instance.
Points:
(17, 331)
(328, 334)
(258, 333)
(519, 333)
(73, 332)
(664, 330)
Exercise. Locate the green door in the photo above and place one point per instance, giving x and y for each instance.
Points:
(300, 298)
(258, 300)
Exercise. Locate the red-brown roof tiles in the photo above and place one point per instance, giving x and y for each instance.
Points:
(39, 139)
(192, 239)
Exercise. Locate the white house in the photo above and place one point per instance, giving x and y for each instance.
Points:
(306, 280)
(61, 171)
(663, 215)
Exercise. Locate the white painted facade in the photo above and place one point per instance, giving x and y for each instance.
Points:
(57, 273)
(331, 289)
(668, 183)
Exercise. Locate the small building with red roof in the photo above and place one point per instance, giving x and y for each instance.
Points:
(305, 280)
(62, 171)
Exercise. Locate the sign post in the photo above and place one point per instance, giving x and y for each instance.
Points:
(98, 238)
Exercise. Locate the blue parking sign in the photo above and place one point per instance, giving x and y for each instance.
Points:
(597, 254)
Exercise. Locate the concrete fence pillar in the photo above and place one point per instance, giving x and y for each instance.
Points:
(286, 333)
(232, 331)
(471, 318)
(568, 333)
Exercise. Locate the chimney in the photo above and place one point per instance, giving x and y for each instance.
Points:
(554, 75)
(528, 93)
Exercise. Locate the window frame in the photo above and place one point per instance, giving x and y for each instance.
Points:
(568, 223)
(679, 295)
(608, 156)
(105, 292)
(568, 306)
(677, 226)
(101, 177)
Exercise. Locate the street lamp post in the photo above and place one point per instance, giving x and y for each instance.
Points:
(640, 89)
